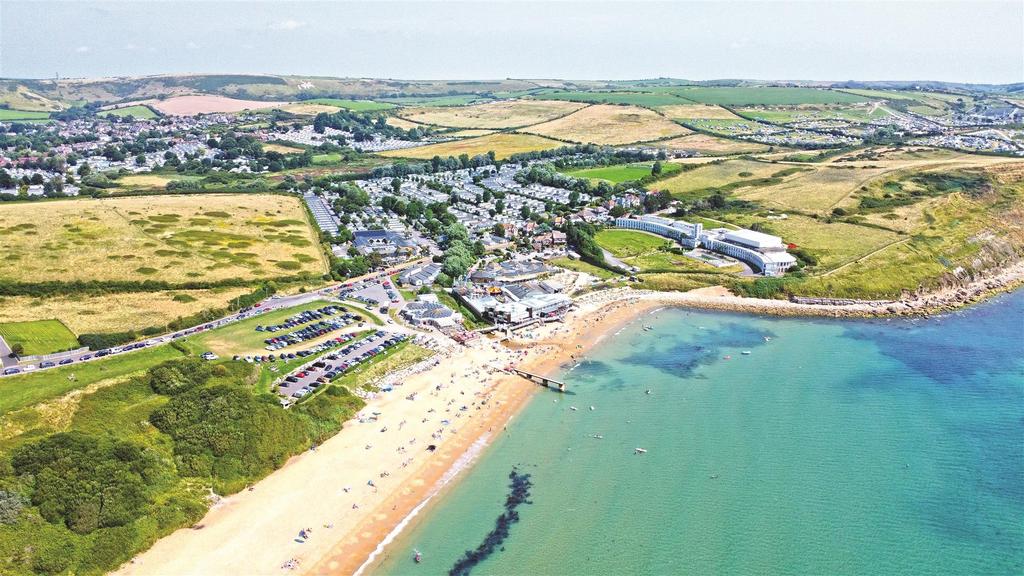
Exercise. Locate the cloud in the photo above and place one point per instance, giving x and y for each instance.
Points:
(288, 24)
(82, 49)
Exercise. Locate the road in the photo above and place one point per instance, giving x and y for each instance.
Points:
(272, 303)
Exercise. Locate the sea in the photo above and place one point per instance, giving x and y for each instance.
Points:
(773, 446)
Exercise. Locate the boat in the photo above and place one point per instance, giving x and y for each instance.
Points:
(598, 436)
(573, 408)
(639, 451)
(648, 391)
(418, 557)
(745, 352)
(767, 338)
(726, 357)
(591, 407)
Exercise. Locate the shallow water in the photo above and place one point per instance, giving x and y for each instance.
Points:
(834, 447)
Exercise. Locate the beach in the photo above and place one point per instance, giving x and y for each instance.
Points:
(349, 495)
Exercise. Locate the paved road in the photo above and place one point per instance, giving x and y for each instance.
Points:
(5, 353)
(273, 303)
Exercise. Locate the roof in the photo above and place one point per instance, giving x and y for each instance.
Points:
(753, 239)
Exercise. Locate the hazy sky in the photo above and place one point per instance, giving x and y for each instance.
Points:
(967, 41)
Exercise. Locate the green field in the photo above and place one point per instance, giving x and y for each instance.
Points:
(138, 112)
(28, 389)
(788, 115)
(581, 266)
(633, 98)
(622, 173)
(7, 115)
(39, 337)
(240, 338)
(726, 96)
(356, 105)
(629, 243)
(660, 262)
(462, 100)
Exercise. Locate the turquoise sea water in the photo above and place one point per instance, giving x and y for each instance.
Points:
(835, 447)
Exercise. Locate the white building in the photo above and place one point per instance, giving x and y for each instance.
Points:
(683, 232)
(765, 252)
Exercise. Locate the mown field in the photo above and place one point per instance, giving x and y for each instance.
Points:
(626, 98)
(722, 175)
(171, 238)
(116, 311)
(281, 149)
(138, 112)
(609, 124)
(623, 172)
(356, 105)
(503, 145)
(38, 336)
(7, 115)
(660, 262)
(693, 111)
(712, 145)
(499, 114)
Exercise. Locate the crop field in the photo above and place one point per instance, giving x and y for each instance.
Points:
(609, 124)
(624, 172)
(150, 180)
(808, 113)
(471, 133)
(728, 96)
(712, 145)
(694, 111)
(170, 238)
(242, 338)
(9, 115)
(118, 311)
(356, 105)
(499, 114)
(503, 145)
(38, 336)
(281, 149)
(402, 123)
(461, 100)
(306, 109)
(730, 174)
(207, 104)
(628, 98)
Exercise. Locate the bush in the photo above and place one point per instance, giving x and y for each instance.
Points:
(11, 505)
(177, 376)
(53, 556)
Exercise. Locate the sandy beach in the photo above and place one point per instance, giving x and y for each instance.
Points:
(351, 492)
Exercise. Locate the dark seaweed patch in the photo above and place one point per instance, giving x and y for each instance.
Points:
(519, 493)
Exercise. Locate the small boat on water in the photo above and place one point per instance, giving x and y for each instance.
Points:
(573, 408)
(639, 451)
(418, 557)
(767, 338)
(745, 352)
(648, 391)
(598, 436)
(726, 357)
(591, 407)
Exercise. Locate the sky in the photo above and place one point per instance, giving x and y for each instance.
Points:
(960, 41)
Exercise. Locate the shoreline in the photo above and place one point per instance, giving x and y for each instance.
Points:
(251, 532)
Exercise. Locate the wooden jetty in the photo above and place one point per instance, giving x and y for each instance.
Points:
(542, 380)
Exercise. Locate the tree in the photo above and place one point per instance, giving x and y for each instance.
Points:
(574, 198)
(396, 185)
(84, 170)
(524, 212)
(140, 160)
(656, 168)
(498, 230)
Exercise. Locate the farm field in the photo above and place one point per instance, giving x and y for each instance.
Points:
(806, 113)
(728, 174)
(727, 96)
(168, 238)
(207, 104)
(624, 172)
(402, 123)
(692, 111)
(460, 100)
(151, 180)
(306, 109)
(118, 311)
(628, 98)
(9, 115)
(242, 338)
(498, 114)
(609, 124)
(38, 336)
(712, 145)
(503, 145)
(471, 133)
(356, 105)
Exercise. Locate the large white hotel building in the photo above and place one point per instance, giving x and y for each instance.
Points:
(764, 252)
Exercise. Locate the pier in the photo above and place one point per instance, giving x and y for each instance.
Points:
(542, 380)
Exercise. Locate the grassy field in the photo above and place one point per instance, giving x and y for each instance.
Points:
(729, 96)
(470, 133)
(171, 238)
(775, 115)
(580, 266)
(132, 181)
(503, 145)
(818, 190)
(629, 98)
(730, 173)
(401, 356)
(712, 145)
(241, 338)
(138, 112)
(499, 114)
(356, 105)
(28, 389)
(38, 336)
(21, 98)
(116, 312)
(609, 124)
(623, 172)
(461, 100)
(9, 115)
(629, 243)
(659, 265)
(402, 123)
